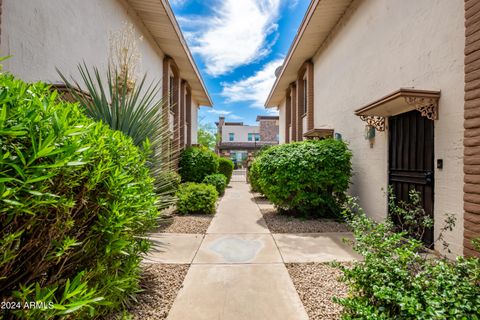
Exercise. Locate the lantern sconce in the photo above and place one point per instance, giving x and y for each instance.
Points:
(370, 134)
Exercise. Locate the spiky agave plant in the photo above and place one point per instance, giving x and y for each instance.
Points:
(140, 112)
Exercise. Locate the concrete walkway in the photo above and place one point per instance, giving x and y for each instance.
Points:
(237, 269)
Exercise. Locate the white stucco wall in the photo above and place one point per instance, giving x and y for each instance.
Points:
(194, 127)
(380, 47)
(41, 35)
(241, 132)
(282, 121)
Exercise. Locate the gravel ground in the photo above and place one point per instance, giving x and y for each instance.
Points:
(161, 283)
(279, 223)
(316, 284)
(185, 224)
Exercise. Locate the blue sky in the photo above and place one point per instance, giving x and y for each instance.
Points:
(237, 45)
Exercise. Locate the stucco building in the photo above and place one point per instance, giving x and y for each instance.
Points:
(43, 35)
(238, 141)
(390, 79)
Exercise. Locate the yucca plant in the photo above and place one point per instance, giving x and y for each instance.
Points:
(139, 112)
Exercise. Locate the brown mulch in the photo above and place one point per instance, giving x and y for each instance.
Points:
(161, 283)
(317, 284)
(281, 223)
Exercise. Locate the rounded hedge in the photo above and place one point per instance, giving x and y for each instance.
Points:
(254, 175)
(76, 198)
(225, 167)
(218, 180)
(196, 198)
(307, 178)
(196, 163)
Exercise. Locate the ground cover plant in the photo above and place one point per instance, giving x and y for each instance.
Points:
(307, 178)
(196, 198)
(225, 167)
(76, 197)
(196, 163)
(218, 180)
(397, 280)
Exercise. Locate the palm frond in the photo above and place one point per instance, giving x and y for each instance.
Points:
(141, 113)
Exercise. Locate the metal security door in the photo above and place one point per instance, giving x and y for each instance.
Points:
(411, 160)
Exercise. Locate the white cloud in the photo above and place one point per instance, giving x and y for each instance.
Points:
(254, 89)
(177, 3)
(219, 112)
(235, 35)
(225, 113)
(234, 117)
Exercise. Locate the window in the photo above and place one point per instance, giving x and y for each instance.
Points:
(304, 95)
(231, 136)
(170, 93)
(252, 136)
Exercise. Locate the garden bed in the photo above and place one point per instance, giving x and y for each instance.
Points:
(281, 223)
(317, 284)
(161, 283)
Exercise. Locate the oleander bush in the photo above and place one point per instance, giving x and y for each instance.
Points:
(225, 167)
(76, 197)
(307, 178)
(218, 180)
(397, 280)
(196, 198)
(196, 163)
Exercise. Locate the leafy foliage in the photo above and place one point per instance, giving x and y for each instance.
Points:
(206, 136)
(75, 198)
(409, 216)
(196, 198)
(396, 280)
(218, 180)
(196, 163)
(254, 175)
(225, 167)
(307, 178)
(135, 109)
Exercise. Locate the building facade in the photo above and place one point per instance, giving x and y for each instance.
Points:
(387, 78)
(41, 36)
(238, 141)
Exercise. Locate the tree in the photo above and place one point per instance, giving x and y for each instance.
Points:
(207, 136)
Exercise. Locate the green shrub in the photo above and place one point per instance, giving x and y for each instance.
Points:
(307, 178)
(196, 198)
(254, 175)
(196, 163)
(76, 197)
(396, 280)
(218, 180)
(225, 167)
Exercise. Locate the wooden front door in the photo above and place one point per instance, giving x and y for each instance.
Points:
(411, 160)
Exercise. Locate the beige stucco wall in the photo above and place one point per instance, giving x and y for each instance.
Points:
(282, 120)
(241, 132)
(41, 35)
(380, 47)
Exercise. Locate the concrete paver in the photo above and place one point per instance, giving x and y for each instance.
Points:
(238, 213)
(238, 292)
(315, 247)
(238, 248)
(173, 248)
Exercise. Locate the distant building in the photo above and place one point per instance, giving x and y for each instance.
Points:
(237, 141)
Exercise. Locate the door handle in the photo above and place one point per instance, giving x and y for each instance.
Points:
(428, 176)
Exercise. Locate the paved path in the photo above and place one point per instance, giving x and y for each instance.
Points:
(237, 269)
